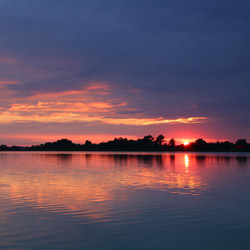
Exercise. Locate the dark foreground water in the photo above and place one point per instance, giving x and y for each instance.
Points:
(124, 201)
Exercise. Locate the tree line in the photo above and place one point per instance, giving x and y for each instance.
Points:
(147, 143)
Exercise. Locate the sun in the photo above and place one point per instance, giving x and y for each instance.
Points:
(186, 143)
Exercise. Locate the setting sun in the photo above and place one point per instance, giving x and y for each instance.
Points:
(186, 143)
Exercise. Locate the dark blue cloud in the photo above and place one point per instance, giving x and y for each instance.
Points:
(180, 53)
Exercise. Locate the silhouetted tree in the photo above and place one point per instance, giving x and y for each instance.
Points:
(64, 142)
(200, 144)
(147, 143)
(241, 144)
(88, 145)
(4, 148)
(159, 139)
(148, 138)
(171, 143)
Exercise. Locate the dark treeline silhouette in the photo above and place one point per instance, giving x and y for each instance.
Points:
(147, 143)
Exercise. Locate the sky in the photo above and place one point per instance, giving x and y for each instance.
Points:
(100, 69)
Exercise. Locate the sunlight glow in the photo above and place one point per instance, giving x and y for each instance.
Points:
(186, 159)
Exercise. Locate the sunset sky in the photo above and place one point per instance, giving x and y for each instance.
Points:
(99, 69)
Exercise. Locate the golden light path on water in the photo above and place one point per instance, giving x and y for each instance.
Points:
(186, 162)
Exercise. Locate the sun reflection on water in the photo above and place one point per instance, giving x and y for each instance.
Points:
(186, 162)
(87, 183)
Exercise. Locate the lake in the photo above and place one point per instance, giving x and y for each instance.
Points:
(96, 200)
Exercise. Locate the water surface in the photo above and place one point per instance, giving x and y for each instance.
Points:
(124, 200)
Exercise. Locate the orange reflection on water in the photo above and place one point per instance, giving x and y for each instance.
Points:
(186, 162)
(88, 183)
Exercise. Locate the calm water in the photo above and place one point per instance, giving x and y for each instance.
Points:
(124, 201)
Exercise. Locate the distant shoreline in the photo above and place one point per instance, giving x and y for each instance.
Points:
(123, 151)
(146, 144)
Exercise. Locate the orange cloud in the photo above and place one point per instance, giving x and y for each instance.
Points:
(8, 82)
(8, 117)
(93, 89)
(94, 103)
(153, 121)
(63, 106)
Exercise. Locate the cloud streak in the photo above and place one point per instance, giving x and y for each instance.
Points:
(9, 117)
(95, 103)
